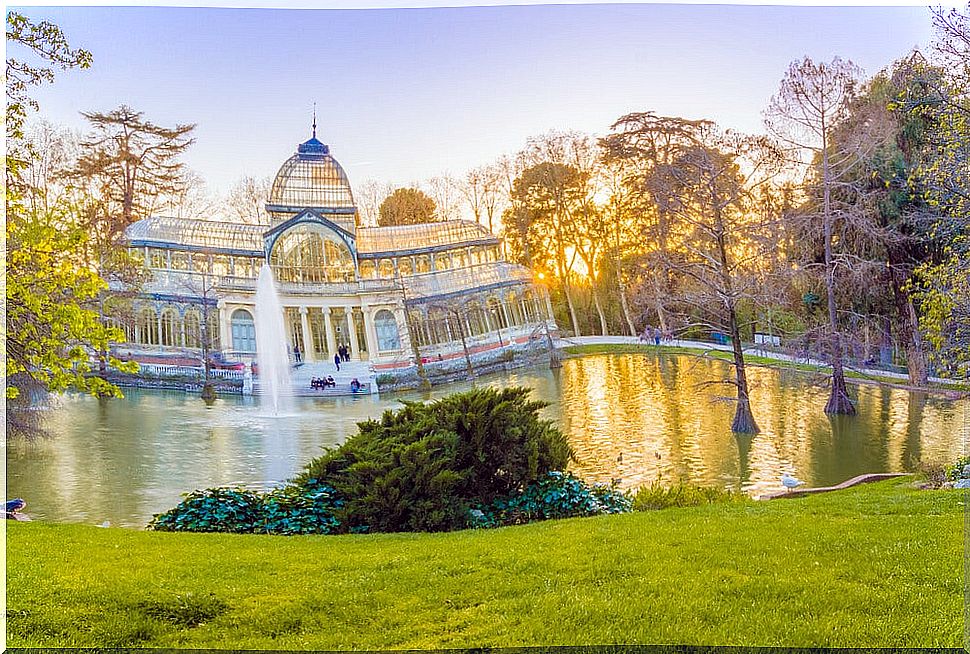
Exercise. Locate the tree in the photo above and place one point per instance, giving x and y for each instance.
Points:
(51, 328)
(640, 143)
(482, 190)
(133, 163)
(444, 190)
(943, 287)
(43, 40)
(706, 193)
(369, 195)
(812, 100)
(52, 325)
(247, 199)
(406, 206)
(547, 198)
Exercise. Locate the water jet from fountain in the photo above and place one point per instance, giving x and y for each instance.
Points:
(275, 388)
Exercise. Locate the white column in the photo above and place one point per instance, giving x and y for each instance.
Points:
(352, 326)
(370, 334)
(403, 329)
(331, 339)
(224, 341)
(307, 336)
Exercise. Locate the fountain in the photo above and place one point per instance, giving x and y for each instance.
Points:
(275, 390)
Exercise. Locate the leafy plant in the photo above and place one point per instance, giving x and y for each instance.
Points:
(289, 510)
(557, 495)
(956, 471)
(229, 510)
(293, 510)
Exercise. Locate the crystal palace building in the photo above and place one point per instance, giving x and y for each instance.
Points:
(385, 294)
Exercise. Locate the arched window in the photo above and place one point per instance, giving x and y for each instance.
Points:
(422, 264)
(496, 315)
(442, 261)
(385, 325)
(311, 254)
(404, 266)
(367, 270)
(243, 331)
(170, 327)
(148, 326)
(193, 323)
(386, 269)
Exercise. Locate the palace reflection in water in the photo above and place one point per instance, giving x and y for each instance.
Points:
(635, 419)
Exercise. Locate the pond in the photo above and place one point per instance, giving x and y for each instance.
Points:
(635, 419)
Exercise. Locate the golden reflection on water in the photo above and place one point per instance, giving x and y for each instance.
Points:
(637, 419)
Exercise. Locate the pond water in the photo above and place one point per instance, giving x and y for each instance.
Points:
(633, 418)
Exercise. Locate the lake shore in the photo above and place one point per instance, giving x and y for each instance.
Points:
(585, 345)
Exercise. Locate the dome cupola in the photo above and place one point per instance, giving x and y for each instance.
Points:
(312, 179)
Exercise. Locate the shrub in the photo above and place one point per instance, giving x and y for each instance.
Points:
(655, 496)
(423, 467)
(557, 495)
(956, 471)
(230, 510)
(295, 510)
(290, 510)
(384, 379)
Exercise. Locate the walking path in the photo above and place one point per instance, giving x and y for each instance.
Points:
(855, 481)
(748, 350)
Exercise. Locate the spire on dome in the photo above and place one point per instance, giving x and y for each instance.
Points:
(314, 120)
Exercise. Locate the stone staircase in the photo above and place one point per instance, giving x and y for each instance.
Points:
(359, 370)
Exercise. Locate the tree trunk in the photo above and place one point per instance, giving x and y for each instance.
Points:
(839, 401)
(908, 324)
(604, 330)
(623, 301)
(743, 418)
(661, 313)
(564, 278)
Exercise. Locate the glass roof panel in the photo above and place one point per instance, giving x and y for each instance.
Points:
(415, 237)
(197, 234)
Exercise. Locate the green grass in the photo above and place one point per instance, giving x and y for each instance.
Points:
(627, 348)
(876, 565)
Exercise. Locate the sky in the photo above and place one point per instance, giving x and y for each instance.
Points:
(406, 94)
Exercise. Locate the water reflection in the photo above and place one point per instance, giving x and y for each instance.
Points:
(632, 419)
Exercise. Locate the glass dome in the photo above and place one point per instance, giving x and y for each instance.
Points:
(312, 179)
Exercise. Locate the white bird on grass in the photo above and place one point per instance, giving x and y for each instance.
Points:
(790, 482)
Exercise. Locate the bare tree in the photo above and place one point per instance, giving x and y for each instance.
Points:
(444, 190)
(369, 196)
(706, 192)
(813, 99)
(247, 199)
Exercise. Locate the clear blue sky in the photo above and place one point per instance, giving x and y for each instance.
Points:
(404, 94)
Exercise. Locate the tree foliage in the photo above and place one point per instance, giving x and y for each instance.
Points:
(406, 206)
(52, 325)
(425, 466)
(132, 163)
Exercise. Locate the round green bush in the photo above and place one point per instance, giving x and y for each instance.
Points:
(424, 466)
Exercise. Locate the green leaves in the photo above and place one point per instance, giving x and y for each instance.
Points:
(422, 467)
(52, 326)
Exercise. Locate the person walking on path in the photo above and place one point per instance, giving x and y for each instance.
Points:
(656, 337)
(336, 361)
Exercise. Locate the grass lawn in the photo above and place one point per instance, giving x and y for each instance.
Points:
(876, 565)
